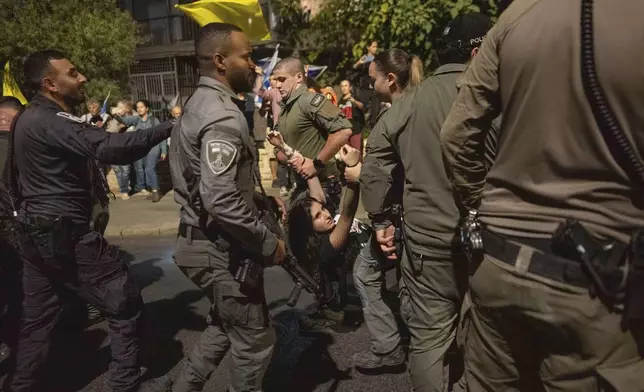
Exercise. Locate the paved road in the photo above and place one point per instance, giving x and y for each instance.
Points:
(176, 312)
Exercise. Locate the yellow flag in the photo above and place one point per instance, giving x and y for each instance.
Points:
(247, 14)
(10, 87)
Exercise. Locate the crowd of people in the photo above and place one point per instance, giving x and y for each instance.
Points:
(504, 188)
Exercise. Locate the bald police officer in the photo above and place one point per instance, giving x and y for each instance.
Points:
(212, 163)
(312, 125)
(532, 313)
(407, 137)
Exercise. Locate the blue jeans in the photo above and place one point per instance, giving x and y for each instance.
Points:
(146, 170)
(123, 177)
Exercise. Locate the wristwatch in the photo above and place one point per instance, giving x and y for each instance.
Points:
(318, 165)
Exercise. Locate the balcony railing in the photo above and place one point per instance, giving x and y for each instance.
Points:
(168, 30)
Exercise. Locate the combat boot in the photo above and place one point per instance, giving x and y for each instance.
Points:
(369, 362)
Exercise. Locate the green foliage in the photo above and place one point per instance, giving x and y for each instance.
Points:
(98, 37)
(346, 28)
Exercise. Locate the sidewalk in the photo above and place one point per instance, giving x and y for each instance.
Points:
(140, 217)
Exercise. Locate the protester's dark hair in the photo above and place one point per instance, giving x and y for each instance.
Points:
(213, 38)
(145, 103)
(10, 103)
(302, 238)
(292, 65)
(407, 68)
(37, 66)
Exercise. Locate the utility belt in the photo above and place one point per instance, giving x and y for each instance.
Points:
(57, 234)
(193, 233)
(613, 272)
(246, 271)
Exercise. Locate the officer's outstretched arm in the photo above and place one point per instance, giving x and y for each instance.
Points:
(117, 148)
(464, 131)
(221, 148)
(378, 180)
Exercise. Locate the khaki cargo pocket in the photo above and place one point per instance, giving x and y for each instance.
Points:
(236, 308)
(465, 319)
(406, 310)
(622, 378)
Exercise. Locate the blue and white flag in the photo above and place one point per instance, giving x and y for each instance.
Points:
(314, 71)
(268, 69)
(104, 108)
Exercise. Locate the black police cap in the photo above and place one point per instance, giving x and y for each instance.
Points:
(467, 30)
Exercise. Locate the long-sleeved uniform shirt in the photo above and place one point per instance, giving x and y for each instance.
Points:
(139, 123)
(407, 138)
(53, 154)
(552, 162)
(211, 143)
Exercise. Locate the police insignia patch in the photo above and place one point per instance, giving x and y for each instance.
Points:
(69, 117)
(221, 155)
(317, 100)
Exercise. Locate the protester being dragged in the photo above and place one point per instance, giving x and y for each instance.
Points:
(323, 244)
(146, 168)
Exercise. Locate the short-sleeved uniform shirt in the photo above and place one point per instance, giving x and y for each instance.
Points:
(306, 121)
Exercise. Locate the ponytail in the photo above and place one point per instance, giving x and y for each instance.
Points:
(407, 68)
(415, 71)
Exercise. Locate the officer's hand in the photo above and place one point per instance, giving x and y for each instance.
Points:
(296, 160)
(307, 169)
(385, 238)
(349, 155)
(352, 174)
(280, 253)
(282, 207)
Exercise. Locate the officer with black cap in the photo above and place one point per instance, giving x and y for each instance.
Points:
(433, 269)
(57, 179)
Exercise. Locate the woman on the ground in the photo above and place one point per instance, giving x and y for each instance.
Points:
(323, 244)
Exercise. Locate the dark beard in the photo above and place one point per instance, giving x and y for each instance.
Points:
(72, 102)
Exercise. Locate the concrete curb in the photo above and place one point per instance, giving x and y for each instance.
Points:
(143, 231)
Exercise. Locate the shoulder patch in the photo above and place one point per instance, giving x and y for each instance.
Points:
(70, 117)
(221, 155)
(317, 100)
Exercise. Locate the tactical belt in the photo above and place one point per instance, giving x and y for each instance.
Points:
(542, 262)
(192, 233)
(76, 230)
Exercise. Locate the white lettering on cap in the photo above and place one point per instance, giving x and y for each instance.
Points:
(477, 40)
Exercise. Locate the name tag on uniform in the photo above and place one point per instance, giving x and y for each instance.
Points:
(70, 117)
(221, 155)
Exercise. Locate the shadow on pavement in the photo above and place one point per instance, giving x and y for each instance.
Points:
(79, 355)
(300, 363)
(162, 350)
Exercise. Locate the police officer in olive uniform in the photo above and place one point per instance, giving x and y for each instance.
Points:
(58, 180)
(311, 125)
(212, 163)
(537, 311)
(434, 271)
